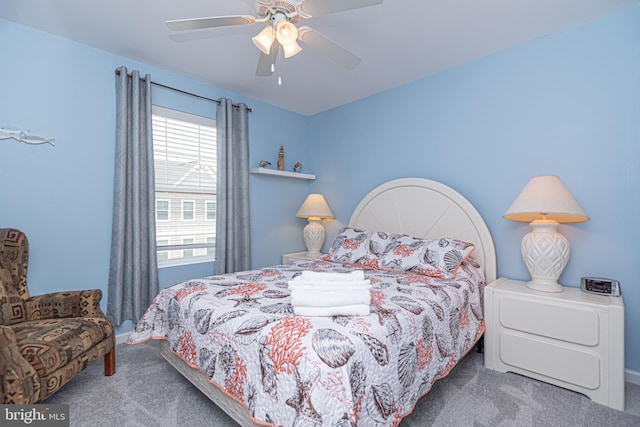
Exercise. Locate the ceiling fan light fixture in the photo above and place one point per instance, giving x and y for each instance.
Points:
(264, 39)
(291, 49)
(286, 32)
(281, 18)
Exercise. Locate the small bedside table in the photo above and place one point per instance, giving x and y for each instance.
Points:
(571, 339)
(298, 256)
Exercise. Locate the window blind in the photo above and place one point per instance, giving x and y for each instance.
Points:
(184, 151)
(185, 169)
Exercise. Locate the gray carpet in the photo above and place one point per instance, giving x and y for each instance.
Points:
(147, 391)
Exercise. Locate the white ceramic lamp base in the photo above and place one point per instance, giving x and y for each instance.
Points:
(545, 253)
(313, 236)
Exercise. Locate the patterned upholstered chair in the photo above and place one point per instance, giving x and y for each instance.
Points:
(45, 340)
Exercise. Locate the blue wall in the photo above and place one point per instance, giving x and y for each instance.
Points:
(62, 196)
(567, 104)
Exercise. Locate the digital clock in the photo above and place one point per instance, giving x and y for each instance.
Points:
(601, 286)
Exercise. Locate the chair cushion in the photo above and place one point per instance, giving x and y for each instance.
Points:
(11, 304)
(14, 256)
(52, 343)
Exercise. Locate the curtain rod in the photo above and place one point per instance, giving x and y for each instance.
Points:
(217, 101)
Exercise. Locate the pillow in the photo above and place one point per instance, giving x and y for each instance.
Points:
(350, 246)
(439, 258)
(11, 304)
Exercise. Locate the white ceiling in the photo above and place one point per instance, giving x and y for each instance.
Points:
(399, 41)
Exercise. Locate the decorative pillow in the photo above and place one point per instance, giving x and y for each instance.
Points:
(438, 258)
(350, 245)
(11, 304)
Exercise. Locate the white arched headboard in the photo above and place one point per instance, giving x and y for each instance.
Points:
(424, 208)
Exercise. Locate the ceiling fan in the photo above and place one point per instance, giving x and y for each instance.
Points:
(280, 19)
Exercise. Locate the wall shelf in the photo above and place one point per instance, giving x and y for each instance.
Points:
(286, 174)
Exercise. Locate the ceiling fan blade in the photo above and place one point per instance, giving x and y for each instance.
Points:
(265, 61)
(190, 36)
(325, 7)
(328, 47)
(216, 21)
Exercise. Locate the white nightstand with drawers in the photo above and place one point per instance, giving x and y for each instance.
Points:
(571, 339)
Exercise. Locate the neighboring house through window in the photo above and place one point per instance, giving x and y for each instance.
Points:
(185, 168)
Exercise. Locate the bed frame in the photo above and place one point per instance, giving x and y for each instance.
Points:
(436, 210)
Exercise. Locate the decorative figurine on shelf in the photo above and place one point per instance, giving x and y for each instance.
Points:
(281, 159)
(297, 167)
(264, 164)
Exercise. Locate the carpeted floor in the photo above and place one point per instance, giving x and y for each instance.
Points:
(147, 391)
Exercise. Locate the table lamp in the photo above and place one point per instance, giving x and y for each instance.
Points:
(315, 208)
(545, 202)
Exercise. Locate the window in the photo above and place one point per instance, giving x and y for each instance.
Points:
(187, 253)
(210, 210)
(188, 210)
(211, 250)
(185, 166)
(162, 255)
(162, 210)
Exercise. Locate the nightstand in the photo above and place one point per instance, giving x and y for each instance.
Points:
(571, 339)
(298, 256)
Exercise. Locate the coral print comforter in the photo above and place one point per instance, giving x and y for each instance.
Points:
(240, 330)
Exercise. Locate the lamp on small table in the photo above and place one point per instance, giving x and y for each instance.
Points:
(315, 208)
(545, 202)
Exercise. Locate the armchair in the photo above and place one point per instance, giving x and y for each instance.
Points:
(45, 340)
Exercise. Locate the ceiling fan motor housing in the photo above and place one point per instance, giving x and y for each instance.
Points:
(271, 9)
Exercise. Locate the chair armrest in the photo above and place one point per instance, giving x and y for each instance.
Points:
(19, 381)
(57, 305)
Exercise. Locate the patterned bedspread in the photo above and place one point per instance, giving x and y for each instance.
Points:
(240, 330)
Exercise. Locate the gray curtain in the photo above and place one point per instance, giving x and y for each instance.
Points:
(233, 242)
(133, 274)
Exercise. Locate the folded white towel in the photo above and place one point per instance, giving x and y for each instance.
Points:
(342, 310)
(335, 285)
(320, 275)
(315, 298)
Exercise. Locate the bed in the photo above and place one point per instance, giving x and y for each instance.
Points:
(236, 338)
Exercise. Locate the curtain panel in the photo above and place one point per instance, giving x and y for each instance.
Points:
(233, 240)
(133, 272)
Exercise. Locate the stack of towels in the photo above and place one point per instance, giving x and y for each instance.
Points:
(330, 294)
